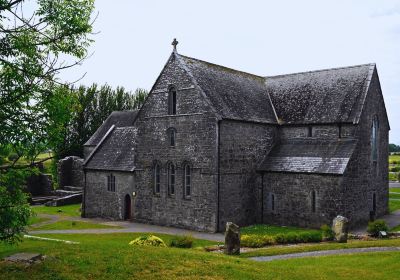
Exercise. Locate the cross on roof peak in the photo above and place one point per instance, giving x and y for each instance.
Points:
(174, 43)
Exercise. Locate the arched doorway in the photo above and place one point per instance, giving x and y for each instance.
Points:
(128, 208)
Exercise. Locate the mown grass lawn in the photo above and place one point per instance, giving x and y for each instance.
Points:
(394, 158)
(36, 220)
(65, 224)
(394, 205)
(394, 195)
(108, 256)
(396, 190)
(272, 230)
(300, 248)
(67, 210)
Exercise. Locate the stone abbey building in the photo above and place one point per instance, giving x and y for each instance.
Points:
(213, 144)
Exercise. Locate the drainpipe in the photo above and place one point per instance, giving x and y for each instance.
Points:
(262, 197)
(218, 168)
(83, 211)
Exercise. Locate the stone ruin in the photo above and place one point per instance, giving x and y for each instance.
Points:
(71, 180)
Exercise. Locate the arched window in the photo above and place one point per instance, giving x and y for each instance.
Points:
(171, 133)
(171, 179)
(187, 180)
(374, 138)
(156, 179)
(172, 101)
(313, 201)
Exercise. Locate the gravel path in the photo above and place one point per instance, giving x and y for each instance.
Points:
(130, 227)
(326, 253)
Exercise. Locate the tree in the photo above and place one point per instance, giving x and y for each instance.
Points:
(393, 148)
(89, 109)
(34, 37)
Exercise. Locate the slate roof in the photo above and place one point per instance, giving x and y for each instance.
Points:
(117, 118)
(325, 96)
(233, 94)
(116, 151)
(304, 155)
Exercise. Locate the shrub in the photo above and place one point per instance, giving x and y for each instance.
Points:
(185, 241)
(256, 241)
(375, 227)
(327, 233)
(300, 237)
(12, 157)
(394, 169)
(148, 240)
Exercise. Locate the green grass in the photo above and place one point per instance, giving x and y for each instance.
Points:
(394, 205)
(396, 190)
(108, 256)
(35, 220)
(395, 158)
(281, 250)
(272, 230)
(67, 210)
(393, 176)
(394, 195)
(397, 228)
(65, 224)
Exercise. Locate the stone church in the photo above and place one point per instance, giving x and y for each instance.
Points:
(213, 144)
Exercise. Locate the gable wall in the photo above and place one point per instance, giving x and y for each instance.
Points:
(242, 147)
(362, 179)
(196, 129)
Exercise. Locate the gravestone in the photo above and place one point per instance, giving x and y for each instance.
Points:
(340, 228)
(232, 239)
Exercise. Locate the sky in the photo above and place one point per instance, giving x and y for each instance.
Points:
(133, 40)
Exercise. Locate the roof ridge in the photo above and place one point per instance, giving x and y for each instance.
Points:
(224, 67)
(320, 70)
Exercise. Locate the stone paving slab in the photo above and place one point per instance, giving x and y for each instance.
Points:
(326, 253)
(24, 257)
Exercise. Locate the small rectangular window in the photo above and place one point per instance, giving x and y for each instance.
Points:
(111, 183)
(272, 202)
(310, 131)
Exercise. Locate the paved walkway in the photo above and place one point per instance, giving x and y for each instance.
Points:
(126, 227)
(394, 184)
(326, 253)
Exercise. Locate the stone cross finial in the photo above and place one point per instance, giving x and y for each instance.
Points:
(174, 43)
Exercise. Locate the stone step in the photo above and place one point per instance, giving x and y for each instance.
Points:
(66, 200)
(71, 188)
(40, 200)
(65, 193)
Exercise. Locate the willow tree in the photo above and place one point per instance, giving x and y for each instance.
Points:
(38, 39)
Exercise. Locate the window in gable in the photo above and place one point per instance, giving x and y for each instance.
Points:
(374, 138)
(171, 133)
(172, 101)
(111, 183)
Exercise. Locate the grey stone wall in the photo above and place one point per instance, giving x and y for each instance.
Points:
(242, 147)
(293, 195)
(99, 202)
(363, 177)
(70, 172)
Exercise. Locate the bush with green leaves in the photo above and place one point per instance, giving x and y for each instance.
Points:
(327, 233)
(148, 240)
(256, 241)
(185, 241)
(376, 226)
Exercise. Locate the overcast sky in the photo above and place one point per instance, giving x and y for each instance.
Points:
(260, 37)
